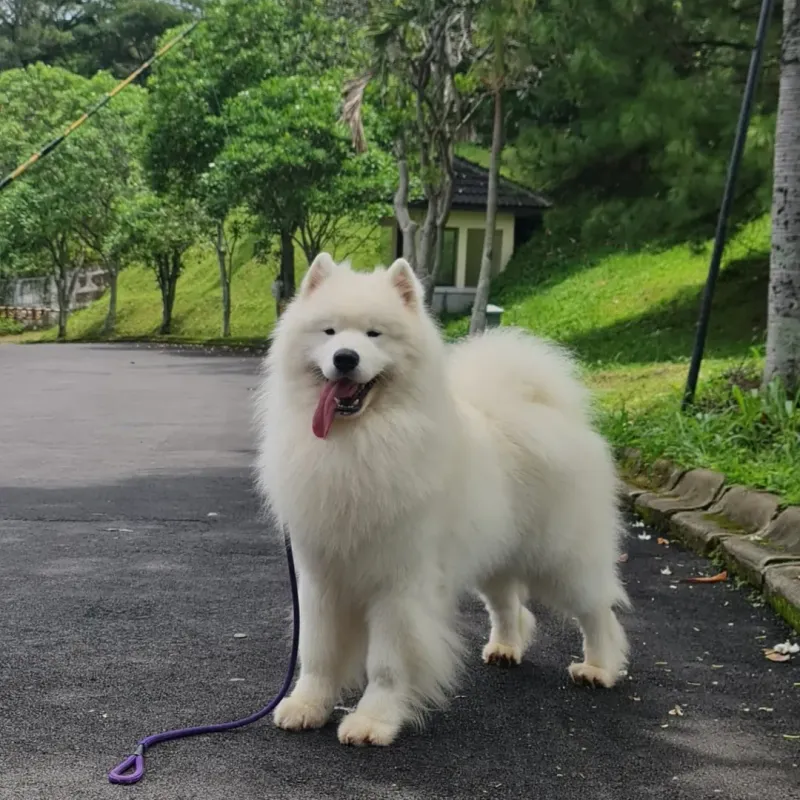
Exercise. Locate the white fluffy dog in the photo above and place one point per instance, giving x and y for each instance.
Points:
(409, 472)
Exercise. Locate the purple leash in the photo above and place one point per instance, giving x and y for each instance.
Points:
(131, 770)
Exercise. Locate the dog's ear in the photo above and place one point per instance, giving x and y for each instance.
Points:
(406, 283)
(321, 268)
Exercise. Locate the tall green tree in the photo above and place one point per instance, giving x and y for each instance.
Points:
(159, 230)
(783, 327)
(631, 108)
(46, 214)
(202, 106)
(294, 163)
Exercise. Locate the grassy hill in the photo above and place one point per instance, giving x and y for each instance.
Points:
(197, 316)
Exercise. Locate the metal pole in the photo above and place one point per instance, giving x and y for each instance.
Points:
(727, 199)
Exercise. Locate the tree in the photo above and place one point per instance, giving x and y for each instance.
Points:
(423, 51)
(161, 229)
(242, 45)
(783, 326)
(500, 20)
(345, 211)
(628, 114)
(51, 214)
(87, 35)
(293, 162)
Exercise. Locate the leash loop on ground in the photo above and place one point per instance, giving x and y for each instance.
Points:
(132, 769)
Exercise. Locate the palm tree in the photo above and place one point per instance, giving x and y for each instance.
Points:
(421, 48)
(783, 326)
(500, 19)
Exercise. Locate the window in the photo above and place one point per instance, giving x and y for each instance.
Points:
(475, 252)
(447, 266)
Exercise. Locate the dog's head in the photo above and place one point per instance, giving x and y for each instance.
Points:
(350, 338)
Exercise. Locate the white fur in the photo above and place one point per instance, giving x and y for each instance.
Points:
(473, 467)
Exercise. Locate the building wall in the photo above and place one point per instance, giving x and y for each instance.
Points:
(464, 221)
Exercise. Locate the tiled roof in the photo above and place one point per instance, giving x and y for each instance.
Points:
(472, 186)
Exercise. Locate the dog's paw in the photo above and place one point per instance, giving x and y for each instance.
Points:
(593, 676)
(502, 655)
(293, 714)
(360, 729)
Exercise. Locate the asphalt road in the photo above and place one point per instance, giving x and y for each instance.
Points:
(131, 554)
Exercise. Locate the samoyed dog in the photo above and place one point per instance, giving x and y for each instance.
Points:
(409, 472)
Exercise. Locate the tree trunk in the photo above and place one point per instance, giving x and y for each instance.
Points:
(408, 228)
(65, 286)
(477, 323)
(63, 314)
(169, 270)
(783, 325)
(426, 254)
(287, 270)
(111, 316)
(224, 279)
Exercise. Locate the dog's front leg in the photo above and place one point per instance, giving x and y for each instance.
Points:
(387, 701)
(323, 635)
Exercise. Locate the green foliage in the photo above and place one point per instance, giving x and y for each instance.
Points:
(52, 219)
(290, 159)
(241, 44)
(85, 37)
(10, 327)
(633, 115)
(751, 435)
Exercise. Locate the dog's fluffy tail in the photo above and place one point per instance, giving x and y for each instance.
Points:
(506, 363)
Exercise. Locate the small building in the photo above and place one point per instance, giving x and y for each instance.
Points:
(519, 216)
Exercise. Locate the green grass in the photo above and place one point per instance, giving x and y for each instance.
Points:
(9, 327)
(750, 435)
(630, 316)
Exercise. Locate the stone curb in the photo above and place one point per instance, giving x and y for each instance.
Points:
(747, 529)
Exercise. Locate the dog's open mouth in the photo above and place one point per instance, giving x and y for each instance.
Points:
(342, 398)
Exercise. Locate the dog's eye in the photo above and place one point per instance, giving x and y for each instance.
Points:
(373, 334)
(330, 332)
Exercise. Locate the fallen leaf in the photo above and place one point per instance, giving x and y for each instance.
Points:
(623, 558)
(662, 540)
(718, 578)
(773, 655)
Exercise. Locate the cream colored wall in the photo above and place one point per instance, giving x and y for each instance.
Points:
(464, 220)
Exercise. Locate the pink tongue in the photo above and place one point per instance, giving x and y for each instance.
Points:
(326, 408)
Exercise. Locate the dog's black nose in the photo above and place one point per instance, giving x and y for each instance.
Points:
(345, 360)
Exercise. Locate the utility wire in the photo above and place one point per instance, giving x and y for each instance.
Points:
(104, 100)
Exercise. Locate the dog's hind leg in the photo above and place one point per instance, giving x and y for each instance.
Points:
(513, 625)
(605, 649)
